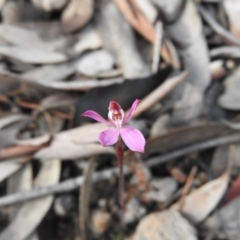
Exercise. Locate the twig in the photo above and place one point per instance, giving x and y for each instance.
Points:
(74, 183)
(187, 186)
(157, 47)
(217, 27)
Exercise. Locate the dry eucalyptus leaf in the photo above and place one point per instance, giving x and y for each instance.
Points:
(198, 204)
(232, 8)
(230, 99)
(71, 150)
(2, 2)
(50, 73)
(12, 118)
(95, 62)
(82, 85)
(31, 213)
(220, 159)
(9, 167)
(147, 8)
(8, 135)
(88, 40)
(119, 38)
(75, 143)
(226, 220)
(188, 135)
(20, 36)
(32, 55)
(84, 134)
(38, 141)
(77, 14)
(20, 181)
(50, 5)
(59, 100)
(166, 225)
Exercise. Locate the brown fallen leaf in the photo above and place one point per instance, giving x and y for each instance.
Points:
(77, 14)
(198, 204)
(159, 226)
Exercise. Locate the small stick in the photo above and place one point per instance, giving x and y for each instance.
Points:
(187, 186)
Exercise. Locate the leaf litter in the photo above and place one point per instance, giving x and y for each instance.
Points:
(61, 58)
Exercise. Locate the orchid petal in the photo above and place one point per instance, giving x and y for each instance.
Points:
(132, 110)
(94, 115)
(133, 138)
(109, 136)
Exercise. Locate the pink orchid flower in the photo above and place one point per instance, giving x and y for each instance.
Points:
(132, 137)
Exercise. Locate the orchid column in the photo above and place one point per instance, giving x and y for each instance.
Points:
(119, 130)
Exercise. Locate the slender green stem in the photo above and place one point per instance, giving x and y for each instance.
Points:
(121, 178)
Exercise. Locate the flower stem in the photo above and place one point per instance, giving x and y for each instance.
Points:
(121, 178)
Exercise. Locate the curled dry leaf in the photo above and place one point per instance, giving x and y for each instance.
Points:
(159, 226)
(50, 5)
(31, 213)
(32, 55)
(77, 14)
(198, 204)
